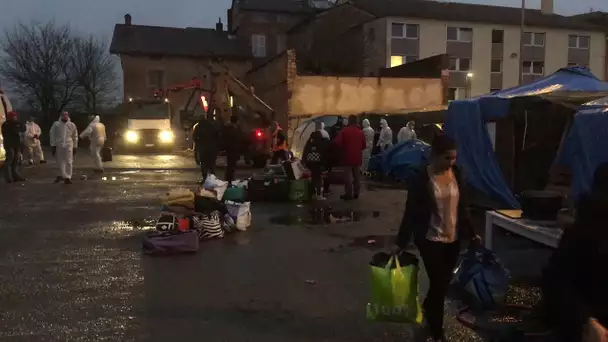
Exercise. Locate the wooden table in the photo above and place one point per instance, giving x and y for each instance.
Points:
(546, 233)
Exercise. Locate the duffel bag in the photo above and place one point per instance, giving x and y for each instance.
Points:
(174, 242)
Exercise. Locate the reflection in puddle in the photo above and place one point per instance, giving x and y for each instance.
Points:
(113, 178)
(128, 172)
(134, 225)
(323, 216)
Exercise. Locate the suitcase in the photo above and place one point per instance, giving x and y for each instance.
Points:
(106, 154)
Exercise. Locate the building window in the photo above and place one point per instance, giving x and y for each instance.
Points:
(460, 64)
(534, 39)
(400, 60)
(533, 68)
(457, 94)
(408, 31)
(460, 34)
(578, 42)
(281, 43)
(498, 36)
(258, 45)
(156, 79)
(496, 66)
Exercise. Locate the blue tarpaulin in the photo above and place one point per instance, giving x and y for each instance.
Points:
(585, 147)
(400, 160)
(466, 122)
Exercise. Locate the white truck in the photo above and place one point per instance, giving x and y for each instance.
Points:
(148, 127)
(5, 107)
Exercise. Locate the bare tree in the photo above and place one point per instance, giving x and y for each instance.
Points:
(95, 74)
(38, 65)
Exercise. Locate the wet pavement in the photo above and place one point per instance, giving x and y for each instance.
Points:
(71, 267)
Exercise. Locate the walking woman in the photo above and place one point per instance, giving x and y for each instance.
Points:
(436, 215)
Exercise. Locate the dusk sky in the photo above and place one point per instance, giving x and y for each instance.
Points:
(99, 17)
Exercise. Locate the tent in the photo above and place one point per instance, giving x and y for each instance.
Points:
(585, 146)
(399, 161)
(465, 122)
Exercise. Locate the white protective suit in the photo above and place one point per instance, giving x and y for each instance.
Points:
(406, 134)
(369, 133)
(96, 132)
(324, 133)
(32, 142)
(386, 135)
(64, 137)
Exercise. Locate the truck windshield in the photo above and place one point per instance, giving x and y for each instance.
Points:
(149, 111)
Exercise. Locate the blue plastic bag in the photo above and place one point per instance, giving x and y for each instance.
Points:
(481, 275)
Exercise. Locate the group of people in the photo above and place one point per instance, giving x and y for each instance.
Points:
(63, 137)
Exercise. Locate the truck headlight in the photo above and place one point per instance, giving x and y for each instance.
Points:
(166, 136)
(131, 137)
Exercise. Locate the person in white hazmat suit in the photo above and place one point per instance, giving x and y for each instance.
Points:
(32, 142)
(369, 133)
(64, 141)
(407, 133)
(386, 136)
(96, 132)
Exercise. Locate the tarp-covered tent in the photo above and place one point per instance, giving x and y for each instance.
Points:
(585, 146)
(399, 161)
(465, 121)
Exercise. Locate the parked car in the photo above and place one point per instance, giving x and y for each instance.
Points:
(5, 107)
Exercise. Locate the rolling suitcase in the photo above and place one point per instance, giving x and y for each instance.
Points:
(106, 154)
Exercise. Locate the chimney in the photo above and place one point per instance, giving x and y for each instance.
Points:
(546, 6)
(128, 19)
(219, 27)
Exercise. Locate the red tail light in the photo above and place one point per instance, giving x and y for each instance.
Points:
(259, 133)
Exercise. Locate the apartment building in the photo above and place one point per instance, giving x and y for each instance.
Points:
(483, 41)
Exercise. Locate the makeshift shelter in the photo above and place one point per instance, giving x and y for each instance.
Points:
(585, 145)
(551, 99)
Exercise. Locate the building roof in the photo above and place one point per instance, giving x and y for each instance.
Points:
(310, 20)
(285, 6)
(450, 11)
(171, 41)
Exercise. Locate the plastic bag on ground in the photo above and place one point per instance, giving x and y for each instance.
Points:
(394, 289)
(241, 213)
(215, 184)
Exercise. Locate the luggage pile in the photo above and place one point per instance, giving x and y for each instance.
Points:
(188, 217)
(288, 182)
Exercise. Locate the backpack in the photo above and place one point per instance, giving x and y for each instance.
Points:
(316, 149)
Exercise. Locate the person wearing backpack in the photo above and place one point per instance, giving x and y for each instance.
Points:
(315, 157)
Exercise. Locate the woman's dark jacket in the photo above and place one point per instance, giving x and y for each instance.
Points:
(320, 145)
(421, 204)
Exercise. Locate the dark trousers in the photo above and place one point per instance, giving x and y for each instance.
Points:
(327, 183)
(278, 157)
(352, 180)
(11, 165)
(316, 171)
(207, 160)
(231, 160)
(439, 260)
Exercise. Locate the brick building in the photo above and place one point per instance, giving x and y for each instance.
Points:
(155, 57)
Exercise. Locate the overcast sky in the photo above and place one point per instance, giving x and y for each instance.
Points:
(99, 17)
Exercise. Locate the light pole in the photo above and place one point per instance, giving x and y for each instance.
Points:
(469, 78)
(521, 41)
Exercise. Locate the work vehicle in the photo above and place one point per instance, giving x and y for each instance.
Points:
(148, 127)
(5, 107)
(222, 96)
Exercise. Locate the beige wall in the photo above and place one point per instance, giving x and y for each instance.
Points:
(176, 71)
(433, 36)
(317, 95)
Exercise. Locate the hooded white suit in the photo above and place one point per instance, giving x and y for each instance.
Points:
(64, 137)
(96, 132)
(32, 142)
(369, 133)
(386, 135)
(405, 134)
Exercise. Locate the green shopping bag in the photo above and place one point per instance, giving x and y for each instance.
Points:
(394, 289)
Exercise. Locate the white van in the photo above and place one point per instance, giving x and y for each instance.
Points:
(5, 107)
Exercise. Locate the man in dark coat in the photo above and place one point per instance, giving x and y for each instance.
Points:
(233, 140)
(207, 138)
(11, 132)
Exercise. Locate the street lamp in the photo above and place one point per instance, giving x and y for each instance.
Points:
(469, 78)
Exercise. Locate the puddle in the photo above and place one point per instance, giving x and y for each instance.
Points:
(113, 178)
(323, 216)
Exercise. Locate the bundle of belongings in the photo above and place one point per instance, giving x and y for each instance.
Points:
(188, 217)
(289, 181)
